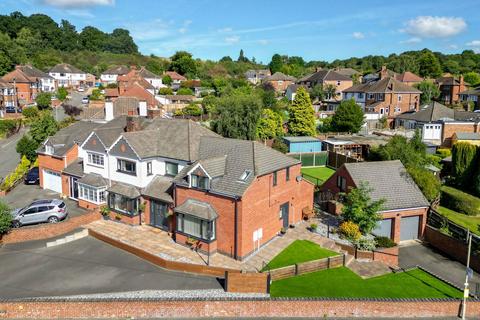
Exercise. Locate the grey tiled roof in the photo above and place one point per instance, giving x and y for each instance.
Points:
(124, 189)
(159, 188)
(433, 112)
(75, 168)
(119, 70)
(301, 139)
(197, 209)
(326, 75)
(278, 76)
(385, 85)
(467, 136)
(65, 68)
(94, 180)
(390, 181)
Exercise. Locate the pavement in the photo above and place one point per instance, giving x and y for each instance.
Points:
(437, 263)
(9, 158)
(22, 195)
(86, 266)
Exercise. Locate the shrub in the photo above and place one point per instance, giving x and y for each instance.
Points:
(279, 145)
(459, 201)
(5, 218)
(165, 91)
(350, 231)
(71, 110)
(104, 210)
(43, 100)
(16, 175)
(313, 226)
(30, 112)
(27, 147)
(365, 244)
(185, 92)
(192, 109)
(7, 126)
(62, 93)
(426, 181)
(443, 152)
(385, 242)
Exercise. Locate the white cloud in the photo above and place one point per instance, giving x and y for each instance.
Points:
(434, 27)
(186, 24)
(263, 42)
(150, 30)
(232, 39)
(78, 3)
(452, 46)
(358, 35)
(81, 13)
(412, 40)
(225, 30)
(474, 43)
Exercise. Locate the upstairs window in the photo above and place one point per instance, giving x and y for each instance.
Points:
(126, 166)
(149, 168)
(171, 169)
(199, 182)
(287, 175)
(49, 149)
(275, 178)
(96, 159)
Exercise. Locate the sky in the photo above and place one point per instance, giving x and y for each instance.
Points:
(314, 29)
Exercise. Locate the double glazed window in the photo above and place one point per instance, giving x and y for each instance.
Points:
(342, 183)
(275, 178)
(122, 204)
(91, 194)
(199, 182)
(96, 159)
(171, 169)
(126, 166)
(196, 227)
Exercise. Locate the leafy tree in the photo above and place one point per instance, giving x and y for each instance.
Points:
(360, 209)
(30, 112)
(473, 78)
(27, 147)
(426, 181)
(348, 117)
(43, 128)
(237, 115)
(398, 148)
(5, 218)
(430, 91)
(464, 160)
(192, 109)
(61, 94)
(429, 66)
(167, 80)
(30, 41)
(226, 59)
(154, 66)
(185, 91)
(276, 64)
(301, 120)
(10, 54)
(279, 145)
(71, 110)
(165, 91)
(183, 63)
(317, 92)
(43, 100)
(241, 57)
(270, 125)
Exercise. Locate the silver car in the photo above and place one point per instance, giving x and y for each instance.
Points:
(39, 211)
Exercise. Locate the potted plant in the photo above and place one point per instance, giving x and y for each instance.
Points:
(105, 211)
(283, 231)
(142, 206)
(313, 227)
(118, 217)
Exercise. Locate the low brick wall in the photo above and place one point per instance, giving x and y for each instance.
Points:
(306, 267)
(166, 264)
(315, 308)
(452, 247)
(46, 231)
(389, 256)
(247, 282)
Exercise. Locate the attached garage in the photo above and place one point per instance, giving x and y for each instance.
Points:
(409, 227)
(383, 228)
(52, 181)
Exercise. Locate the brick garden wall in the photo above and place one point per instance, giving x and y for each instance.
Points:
(46, 231)
(237, 308)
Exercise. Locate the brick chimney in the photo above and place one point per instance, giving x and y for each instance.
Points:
(133, 124)
(317, 69)
(383, 72)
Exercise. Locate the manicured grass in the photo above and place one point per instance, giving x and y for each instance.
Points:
(321, 173)
(342, 282)
(470, 222)
(299, 251)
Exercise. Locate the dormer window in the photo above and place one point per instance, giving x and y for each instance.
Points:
(199, 182)
(245, 175)
(49, 149)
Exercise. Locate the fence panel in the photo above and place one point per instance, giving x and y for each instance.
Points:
(316, 159)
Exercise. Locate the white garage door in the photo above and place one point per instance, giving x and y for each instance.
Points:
(52, 181)
(383, 228)
(409, 228)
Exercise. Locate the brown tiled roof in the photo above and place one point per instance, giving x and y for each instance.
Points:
(278, 76)
(175, 76)
(180, 97)
(385, 85)
(326, 75)
(111, 92)
(408, 76)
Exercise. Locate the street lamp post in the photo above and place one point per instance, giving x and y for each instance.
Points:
(468, 275)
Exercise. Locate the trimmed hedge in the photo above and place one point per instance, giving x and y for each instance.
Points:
(384, 242)
(460, 201)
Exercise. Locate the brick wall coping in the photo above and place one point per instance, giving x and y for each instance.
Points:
(109, 299)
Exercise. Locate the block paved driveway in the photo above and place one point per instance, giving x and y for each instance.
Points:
(436, 262)
(85, 266)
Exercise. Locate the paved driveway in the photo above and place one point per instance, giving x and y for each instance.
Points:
(23, 195)
(86, 266)
(9, 158)
(436, 262)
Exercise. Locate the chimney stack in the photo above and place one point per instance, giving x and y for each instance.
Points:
(108, 110)
(133, 124)
(383, 72)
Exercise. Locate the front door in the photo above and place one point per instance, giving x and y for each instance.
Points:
(158, 214)
(73, 188)
(284, 211)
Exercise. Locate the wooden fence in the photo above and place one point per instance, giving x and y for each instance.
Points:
(307, 267)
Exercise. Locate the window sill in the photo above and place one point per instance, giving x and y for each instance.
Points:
(194, 237)
(134, 174)
(124, 213)
(96, 165)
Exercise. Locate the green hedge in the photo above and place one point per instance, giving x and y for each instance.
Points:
(460, 201)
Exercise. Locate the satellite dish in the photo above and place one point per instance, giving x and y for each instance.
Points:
(299, 178)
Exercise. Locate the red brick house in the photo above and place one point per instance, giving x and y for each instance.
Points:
(220, 195)
(450, 88)
(279, 81)
(405, 211)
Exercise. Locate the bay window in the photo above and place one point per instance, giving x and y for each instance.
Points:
(196, 227)
(122, 204)
(91, 194)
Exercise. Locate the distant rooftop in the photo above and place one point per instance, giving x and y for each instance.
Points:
(301, 139)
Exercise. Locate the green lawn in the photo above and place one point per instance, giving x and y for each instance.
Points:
(299, 251)
(344, 283)
(321, 173)
(470, 222)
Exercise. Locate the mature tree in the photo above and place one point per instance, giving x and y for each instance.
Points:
(399, 148)
(226, 59)
(27, 147)
(348, 117)
(241, 57)
(5, 218)
(167, 80)
(183, 63)
(276, 64)
(61, 94)
(185, 92)
(426, 181)
(430, 91)
(71, 110)
(317, 92)
(43, 128)
(155, 66)
(93, 39)
(237, 115)
(120, 41)
(301, 121)
(10, 54)
(270, 125)
(30, 41)
(43, 100)
(361, 209)
(70, 39)
(464, 160)
(429, 66)
(473, 78)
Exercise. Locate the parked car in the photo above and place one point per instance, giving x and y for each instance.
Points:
(32, 176)
(81, 89)
(47, 210)
(10, 109)
(85, 100)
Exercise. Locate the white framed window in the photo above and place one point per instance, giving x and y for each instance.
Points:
(196, 227)
(171, 169)
(126, 166)
(149, 168)
(96, 159)
(91, 194)
(199, 182)
(49, 149)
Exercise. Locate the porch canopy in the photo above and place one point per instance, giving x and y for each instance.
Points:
(124, 189)
(93, 180)
(159, 188)
(198, 209)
